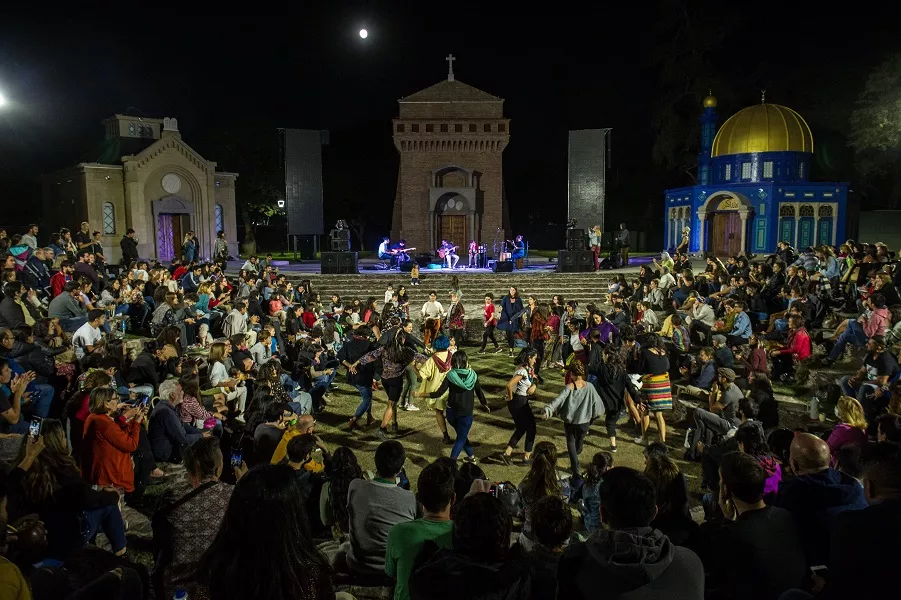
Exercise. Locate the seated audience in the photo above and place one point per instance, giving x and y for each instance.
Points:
(167, 434)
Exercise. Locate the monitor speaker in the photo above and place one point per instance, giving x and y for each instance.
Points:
(576, 244)
(339, 263)
(575, 261)
(502, 266)
(341, 234)
(574, 234)
(339, 245)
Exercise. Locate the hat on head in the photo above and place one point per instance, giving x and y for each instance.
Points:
(727, 373)
(718, 338)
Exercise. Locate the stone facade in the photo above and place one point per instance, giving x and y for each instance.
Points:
(148, 179)
(451, 138)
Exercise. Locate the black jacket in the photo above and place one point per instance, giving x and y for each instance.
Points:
(452, 576)
(36, 276)
(11, 315)
(630, 564)
(815, 501)
(143, 371)
(864, 551)
(31, 358)
(167, 434)
(353, 350)
(129, 249)
(759, 556)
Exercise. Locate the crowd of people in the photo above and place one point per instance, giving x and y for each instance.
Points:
(232, 372)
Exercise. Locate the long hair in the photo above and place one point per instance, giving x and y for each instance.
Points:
(600, 463)
(342, 469)
(669, 484)
(541, 480)
(217, 352)
(264, 519)
(396, 349)
(851, 412)
(522, 359)
(40, 481)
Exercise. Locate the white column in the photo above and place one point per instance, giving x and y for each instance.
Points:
(702, 246)
(743, 215)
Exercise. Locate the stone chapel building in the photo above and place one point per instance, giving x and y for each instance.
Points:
(451, 138)
(145, 178)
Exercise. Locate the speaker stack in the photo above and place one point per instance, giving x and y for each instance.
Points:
(501, 266)
(339, 263)
(575, 261)
(576, 239)
(340, 240)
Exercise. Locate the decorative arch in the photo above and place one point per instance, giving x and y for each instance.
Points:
(825, 210)
(806, 226)
(806, 210)
(716, 199)
(452, 176)
(787, 210)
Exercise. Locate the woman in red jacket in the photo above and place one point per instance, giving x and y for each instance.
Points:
(796, 349)
(108, 442)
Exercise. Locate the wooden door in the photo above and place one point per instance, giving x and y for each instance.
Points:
(453, 229)
(725, 235)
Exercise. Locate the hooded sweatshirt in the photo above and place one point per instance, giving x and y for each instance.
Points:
(461, 385)
(577, 406)
(878, 322)
(629, 564)
(815, 501)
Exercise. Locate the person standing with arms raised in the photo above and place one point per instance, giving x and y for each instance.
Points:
(519, 388)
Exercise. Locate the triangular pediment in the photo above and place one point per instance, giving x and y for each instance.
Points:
(170, 144)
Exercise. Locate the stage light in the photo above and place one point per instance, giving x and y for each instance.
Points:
(364, 34)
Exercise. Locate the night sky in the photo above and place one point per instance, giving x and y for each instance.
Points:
(238, 78)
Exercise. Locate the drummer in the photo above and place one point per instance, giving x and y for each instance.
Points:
(473, 254)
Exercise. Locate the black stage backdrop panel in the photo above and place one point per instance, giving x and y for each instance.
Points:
(303, 180)
(587, 176)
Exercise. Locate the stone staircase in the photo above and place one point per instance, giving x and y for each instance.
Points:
(584, 288)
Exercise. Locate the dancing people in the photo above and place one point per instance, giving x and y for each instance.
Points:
(578, 405)
(461, 385)
(656, 394)
(396, 356)
(359, 375)
(511, 311)
(432, 374)
(537, 333)
(519, 388)
(489, 321)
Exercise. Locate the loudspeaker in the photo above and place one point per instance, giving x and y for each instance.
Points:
(570, 261)
(572, 234)
(341, 234)
(339, 263)
(406, 267)
(576, 244)
(502, 266)
(338, 245)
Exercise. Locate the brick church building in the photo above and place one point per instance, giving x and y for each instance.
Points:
(451, 138)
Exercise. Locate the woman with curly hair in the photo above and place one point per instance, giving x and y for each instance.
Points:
(342, 469)
(519, 388)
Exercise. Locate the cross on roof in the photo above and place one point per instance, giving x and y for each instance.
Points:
(450, 58)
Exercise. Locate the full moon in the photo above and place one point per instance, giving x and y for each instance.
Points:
(364, 34)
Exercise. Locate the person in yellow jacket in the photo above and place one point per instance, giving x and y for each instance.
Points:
(431, 375)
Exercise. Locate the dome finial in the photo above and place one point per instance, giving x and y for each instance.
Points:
(763, 96)
(710, 100)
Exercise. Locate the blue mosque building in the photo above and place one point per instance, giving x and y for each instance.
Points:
(753, 188)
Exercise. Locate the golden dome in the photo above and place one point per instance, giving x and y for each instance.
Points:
(710, 101)
(763, 128)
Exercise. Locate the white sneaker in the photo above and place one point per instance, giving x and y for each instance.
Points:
(639, 441)
(412, 407)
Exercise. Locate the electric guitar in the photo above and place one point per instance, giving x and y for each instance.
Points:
(401, 250)
(443, 252)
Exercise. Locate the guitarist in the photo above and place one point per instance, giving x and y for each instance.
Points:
(448, 252)
(400, 250)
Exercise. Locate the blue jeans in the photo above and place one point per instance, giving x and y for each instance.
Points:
(109, 520)
(303, 403)
(41, 399)
(853, 334)
(365, 400)
(71, 324)
(461, 426)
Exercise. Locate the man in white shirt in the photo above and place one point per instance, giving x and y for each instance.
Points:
(89, 338)
(432, 313)
(236, 322)
(250, 265)
(30, 237)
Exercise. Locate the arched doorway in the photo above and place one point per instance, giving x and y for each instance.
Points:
(452, 211)
(173, 216)
(726, 214)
